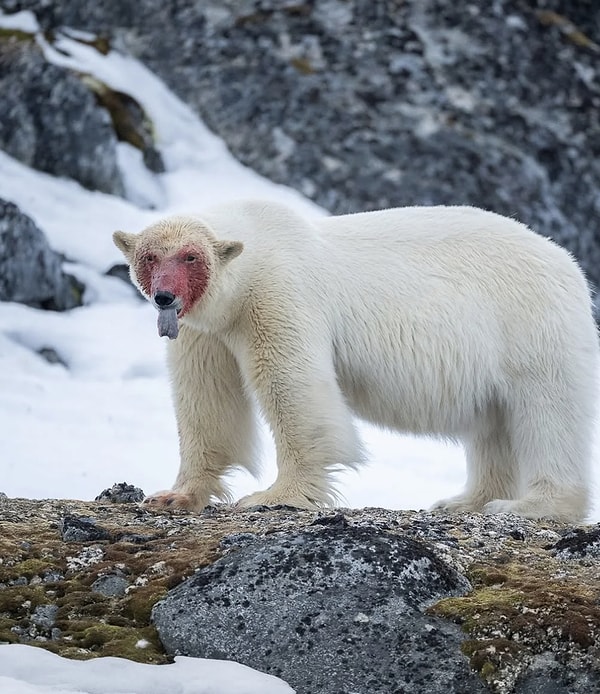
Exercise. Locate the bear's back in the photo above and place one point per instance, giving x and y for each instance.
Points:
(425, 226)
(416, 254)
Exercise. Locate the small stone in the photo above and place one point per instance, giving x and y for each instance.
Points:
(44, 616)
(110, 585)
(135, 538)
(577, 543)
(52, 577)
(81, 529)
(121, 271)
(88, 556)
(51, 356)
(338, 520)
(122, 493)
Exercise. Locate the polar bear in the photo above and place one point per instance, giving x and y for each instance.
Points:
(447, 321)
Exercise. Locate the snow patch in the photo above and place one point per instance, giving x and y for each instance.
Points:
(30, 670)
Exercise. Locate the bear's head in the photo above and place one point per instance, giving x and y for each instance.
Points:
(174, 263)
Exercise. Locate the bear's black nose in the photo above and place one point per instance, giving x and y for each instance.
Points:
(164, 299)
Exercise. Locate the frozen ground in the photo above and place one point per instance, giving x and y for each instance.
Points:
(107, 417)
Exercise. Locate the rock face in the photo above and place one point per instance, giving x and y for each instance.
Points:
(50, 121)
(363, 105)
(466, 602)
(329, 609)
(30, 271)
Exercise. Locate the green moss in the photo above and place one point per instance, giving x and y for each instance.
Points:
(488, 656)
(18, 601)
(469, 610)
(28, 568)
(487, 670)
(5, 623)
(141, 645)
(487, 576)
(75, 625)
(15, 35)
(117, 620)
(303, 66)
(100, 43)
(6, 635)
(120, 107)
(567, 28)
(81, 603)
(516, 612)
(99, 634)
(139, 604)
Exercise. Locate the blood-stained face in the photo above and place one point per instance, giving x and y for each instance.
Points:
(174, 282)
(173, 263)
(183, 274)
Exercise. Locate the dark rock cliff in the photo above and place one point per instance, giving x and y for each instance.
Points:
(50, 121)
(363, 105)
(30, 271)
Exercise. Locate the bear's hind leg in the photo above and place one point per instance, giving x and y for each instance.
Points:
(552, 439)
(215, 420)
(491, 467)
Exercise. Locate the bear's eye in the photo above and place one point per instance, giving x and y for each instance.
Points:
(150, 257)
(190, 258)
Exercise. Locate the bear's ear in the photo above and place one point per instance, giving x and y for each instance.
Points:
(228, 250)
(125, 243)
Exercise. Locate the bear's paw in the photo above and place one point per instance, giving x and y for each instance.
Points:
(172, 500)
(275, 497)
(462, 503)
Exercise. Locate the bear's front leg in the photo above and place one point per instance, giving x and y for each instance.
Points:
(312, 425)
(215, 421)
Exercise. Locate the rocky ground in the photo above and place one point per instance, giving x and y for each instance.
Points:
(464, 603)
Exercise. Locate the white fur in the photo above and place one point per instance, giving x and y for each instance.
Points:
(449, 321)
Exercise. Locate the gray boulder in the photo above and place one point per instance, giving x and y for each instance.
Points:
(30, 271)
(329, 609)
(50, 121)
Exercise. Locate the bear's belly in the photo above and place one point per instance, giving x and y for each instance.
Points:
(430, 403)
